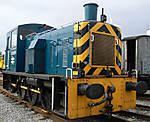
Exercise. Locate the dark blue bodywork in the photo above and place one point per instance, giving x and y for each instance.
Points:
(47, 51)
(17, 44)
(58, 44)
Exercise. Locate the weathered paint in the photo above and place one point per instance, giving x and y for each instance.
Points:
(78, 105)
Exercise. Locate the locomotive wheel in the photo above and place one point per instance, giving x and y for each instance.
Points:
(45, 98)
(22, 93)
(32, 96)
(11, 88)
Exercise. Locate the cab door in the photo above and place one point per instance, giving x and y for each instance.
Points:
(7, 51)
(13, 50)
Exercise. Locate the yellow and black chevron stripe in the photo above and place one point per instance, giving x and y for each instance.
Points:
(81, 47)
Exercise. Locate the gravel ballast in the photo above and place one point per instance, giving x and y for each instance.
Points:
(11, 111)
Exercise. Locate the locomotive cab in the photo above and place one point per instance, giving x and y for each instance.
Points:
(16, 45)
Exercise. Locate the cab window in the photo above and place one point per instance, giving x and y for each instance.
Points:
(8, 42)
(14, 38)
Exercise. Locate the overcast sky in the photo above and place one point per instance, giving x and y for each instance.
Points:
(132, 16)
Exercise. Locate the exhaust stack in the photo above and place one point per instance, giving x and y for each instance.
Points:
(90, 11)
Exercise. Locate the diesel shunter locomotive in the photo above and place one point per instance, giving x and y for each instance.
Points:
(73, 71)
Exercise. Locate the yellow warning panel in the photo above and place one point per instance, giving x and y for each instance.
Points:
(80, 106)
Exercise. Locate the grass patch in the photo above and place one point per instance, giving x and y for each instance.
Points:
(1, 120)
(20, 121)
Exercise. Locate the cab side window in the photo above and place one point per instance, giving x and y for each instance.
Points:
(14, 38)
(8, 42)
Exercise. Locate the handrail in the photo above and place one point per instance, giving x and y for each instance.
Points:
(67, 72)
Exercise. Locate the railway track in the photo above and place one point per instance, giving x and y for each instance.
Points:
(145, 97)
(134, 116)
(45, 114)
(143, 106)
(122, 116)
(138, 114)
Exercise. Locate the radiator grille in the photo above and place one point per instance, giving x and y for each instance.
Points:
(103, 50)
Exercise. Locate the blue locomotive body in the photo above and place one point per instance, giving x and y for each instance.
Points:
(58, 50)
(46, 50)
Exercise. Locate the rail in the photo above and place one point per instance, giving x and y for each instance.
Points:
(53, 116)
(45, 113)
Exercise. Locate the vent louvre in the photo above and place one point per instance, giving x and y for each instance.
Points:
(65, 54)
(103, 50)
